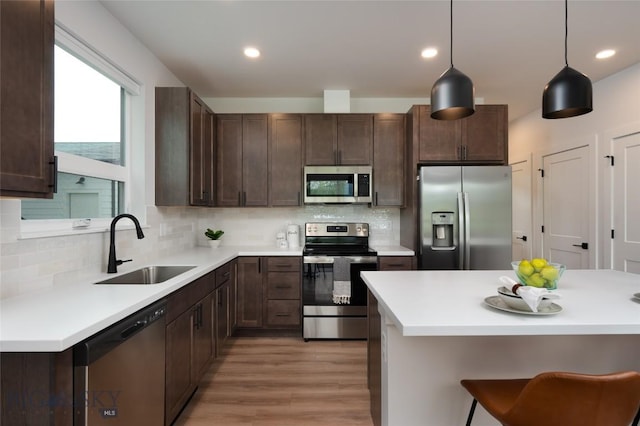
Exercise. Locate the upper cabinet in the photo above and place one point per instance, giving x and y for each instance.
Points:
(481, 138)
(242, 160)
(27, 161)
(285, 142)
(185, 131)
(388, 159)
(343, 139)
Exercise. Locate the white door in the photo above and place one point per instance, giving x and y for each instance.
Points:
(566, 208)
(521, 210)
(626, 204)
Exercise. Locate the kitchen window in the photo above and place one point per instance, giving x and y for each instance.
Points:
(92, 117)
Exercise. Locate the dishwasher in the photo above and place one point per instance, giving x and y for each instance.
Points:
(119, 373)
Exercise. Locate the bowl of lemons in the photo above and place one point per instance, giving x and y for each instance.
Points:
(538, 273)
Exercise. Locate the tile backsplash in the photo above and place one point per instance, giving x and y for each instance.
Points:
(30, 264)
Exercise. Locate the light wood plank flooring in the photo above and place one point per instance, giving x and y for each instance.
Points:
(283, 381)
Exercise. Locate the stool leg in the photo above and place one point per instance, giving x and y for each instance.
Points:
(473, 409)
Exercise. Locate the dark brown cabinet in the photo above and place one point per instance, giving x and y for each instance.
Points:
(388, 159)
(225, 278)
(268, 293)
(481, 138)
(283, 292)
(242, 160)
(189, 341)
(249, 292)
(184, 149)
(395, 263)
(285, 141)
(343, 139)
(27, 161)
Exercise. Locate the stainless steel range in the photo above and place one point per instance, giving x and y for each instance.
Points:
(334, 297)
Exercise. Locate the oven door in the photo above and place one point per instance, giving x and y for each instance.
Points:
(334, 296)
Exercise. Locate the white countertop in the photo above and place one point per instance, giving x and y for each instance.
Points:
(58, 317)
(451, 303)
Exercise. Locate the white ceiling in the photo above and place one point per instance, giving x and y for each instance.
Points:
(510, 49)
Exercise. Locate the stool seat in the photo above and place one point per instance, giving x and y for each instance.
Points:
(560, 399)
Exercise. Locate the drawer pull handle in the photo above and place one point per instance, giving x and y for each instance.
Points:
(282, 314)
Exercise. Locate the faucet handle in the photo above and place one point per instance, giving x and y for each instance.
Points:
(120, 262)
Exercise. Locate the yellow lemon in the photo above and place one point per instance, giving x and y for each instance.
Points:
(538, 264)
(525, 268)
(535, 280)
(549, 273)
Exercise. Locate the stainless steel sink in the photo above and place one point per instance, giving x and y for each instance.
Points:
(148, 275)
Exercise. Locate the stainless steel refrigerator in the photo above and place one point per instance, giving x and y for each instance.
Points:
(465, 217)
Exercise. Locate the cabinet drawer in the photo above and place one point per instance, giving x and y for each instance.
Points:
(283, 285)
(283, 312)
(398, 263)
(283, 263)
(223, 274)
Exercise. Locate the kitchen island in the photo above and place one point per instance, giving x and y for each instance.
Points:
(436, 329)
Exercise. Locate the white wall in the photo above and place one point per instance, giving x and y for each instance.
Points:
(616, 112)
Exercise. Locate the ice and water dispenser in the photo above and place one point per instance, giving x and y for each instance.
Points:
(442, 223)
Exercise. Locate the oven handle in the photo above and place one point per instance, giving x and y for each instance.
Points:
(331, 259)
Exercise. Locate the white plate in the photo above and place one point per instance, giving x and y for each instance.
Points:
(497, 303)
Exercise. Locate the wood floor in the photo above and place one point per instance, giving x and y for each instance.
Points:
(283, 381)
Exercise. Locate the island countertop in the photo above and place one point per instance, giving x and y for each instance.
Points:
(451, 303)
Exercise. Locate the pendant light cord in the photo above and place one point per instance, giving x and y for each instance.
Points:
(566, 30)
(451, 31)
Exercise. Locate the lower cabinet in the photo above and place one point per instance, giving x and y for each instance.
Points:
(189, 342)
(396, 263)
(268, 293)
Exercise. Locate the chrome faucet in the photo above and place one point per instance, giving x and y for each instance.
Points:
(113, 262)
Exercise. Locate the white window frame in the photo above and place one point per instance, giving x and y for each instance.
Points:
(70, 163)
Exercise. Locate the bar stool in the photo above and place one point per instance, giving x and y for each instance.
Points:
(560, 399)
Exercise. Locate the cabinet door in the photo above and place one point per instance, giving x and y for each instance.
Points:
(249, 292)
(222, 317)
(201, 153)
(388, 159)
(320, 139)
(285, 140)
(26, 111)
(484, 135)
(229, 160)
(355, 139)
(439, 139)
(178, 381)
(255, 165)
(203, 333)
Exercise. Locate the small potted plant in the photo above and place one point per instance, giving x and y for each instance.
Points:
(214, 236)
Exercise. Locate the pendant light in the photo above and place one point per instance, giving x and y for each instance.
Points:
(569, 93)
(452, 95)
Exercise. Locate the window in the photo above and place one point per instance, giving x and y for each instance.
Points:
(91, 117)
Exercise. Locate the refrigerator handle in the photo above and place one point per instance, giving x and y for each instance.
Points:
(467, 233)
(461, 233)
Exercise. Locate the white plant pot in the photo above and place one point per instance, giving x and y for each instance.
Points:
(214, 243)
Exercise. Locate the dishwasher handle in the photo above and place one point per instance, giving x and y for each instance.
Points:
(139, 325)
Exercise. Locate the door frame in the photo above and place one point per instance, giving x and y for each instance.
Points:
(605, 187)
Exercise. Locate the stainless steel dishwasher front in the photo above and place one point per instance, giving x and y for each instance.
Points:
(119, 372)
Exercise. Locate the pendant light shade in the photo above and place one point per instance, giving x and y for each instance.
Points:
(569, 93)
(452, 95)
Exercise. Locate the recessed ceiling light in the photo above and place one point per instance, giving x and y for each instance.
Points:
(251, 52)
(429, 52)
(604, 54)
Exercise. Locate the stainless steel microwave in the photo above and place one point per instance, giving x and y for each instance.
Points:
(337, 184)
